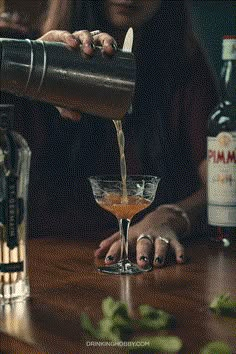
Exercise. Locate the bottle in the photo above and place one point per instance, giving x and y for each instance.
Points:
(222, 153)
(14, 177)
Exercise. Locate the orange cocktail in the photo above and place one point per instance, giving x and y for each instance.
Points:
(115, 204)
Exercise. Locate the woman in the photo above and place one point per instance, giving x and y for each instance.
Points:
(165, 133)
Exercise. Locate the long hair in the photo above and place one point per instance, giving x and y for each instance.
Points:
(167, 38)
(165, 56)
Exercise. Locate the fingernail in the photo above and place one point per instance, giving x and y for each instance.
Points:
(180, 259)
(110, 258)
(114, 46)
(159, 260)
(143, 258)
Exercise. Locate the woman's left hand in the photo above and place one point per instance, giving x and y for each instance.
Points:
(162, 238)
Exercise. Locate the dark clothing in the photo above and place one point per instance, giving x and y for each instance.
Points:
(170, 143)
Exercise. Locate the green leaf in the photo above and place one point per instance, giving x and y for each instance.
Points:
(155, 319)
(116, 328)
(110, 308)
(108, 330)
(87, 325)
(216, 348)
(223, 305)
(167, 344)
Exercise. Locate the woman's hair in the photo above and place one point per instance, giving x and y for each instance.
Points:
(166, 57)
(168, 35)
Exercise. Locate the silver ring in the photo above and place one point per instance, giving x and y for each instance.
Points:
(145, 236)
(94, 33)
(164, 240)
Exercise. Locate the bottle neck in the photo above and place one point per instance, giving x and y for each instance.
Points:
(228, 84)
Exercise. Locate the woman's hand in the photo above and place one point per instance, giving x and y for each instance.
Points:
(86, 41)
(163, 225)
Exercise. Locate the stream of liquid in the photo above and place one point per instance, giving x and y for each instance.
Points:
(123, 170)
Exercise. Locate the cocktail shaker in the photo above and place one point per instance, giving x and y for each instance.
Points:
(65, 77)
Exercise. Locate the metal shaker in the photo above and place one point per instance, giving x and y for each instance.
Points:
(54, 73)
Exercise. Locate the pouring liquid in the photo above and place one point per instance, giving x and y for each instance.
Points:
(123, 169)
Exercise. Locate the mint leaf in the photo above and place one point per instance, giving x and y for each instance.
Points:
(108, 330)
(115, 329)
(167, 344)
(223, 305)
(87, 325)
(155, 319)
(110, 308)
(216, 348)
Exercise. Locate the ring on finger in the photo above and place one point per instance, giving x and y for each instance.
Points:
(163, 239)
(145, 236)
(94, 33)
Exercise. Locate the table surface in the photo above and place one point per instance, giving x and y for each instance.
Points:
(64, 282)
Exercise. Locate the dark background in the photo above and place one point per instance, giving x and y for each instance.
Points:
(212, 20)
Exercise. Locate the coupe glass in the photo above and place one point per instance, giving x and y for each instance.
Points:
(124, 200)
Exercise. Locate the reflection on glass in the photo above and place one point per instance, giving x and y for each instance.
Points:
(109, 193)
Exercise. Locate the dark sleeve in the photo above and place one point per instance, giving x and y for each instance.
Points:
(201, 96)
(192, 105)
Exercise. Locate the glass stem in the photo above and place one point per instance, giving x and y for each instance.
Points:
(124, 230)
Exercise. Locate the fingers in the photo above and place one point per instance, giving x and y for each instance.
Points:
(88, 41)
(60, 36)
(144, 252)
(113, 254)
(69, 114)
(161, 248)
(108, 43)
(105, 245)
(179, 251)
(164, 244)
(147, 252)
(84, 38)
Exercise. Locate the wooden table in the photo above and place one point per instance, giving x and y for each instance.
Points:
(64, 282)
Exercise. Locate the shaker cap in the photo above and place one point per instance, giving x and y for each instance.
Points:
(229, 36)
(6, 116)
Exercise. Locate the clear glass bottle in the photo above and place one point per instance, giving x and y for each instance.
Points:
(14, 177)
(222, 153)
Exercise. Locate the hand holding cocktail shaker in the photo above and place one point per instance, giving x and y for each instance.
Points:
(54, 73)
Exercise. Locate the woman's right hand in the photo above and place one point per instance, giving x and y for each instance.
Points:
(86, 41)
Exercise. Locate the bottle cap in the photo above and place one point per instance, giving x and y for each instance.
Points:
(229, 47)
(229, 36)
(6, 116)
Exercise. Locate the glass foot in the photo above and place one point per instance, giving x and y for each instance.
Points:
(124, 267)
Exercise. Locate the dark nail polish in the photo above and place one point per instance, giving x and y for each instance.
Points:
(143, 258)
(114, 46)
(180, 259)
(110, 258)
(159, 260)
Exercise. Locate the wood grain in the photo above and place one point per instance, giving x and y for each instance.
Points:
(64, 282)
